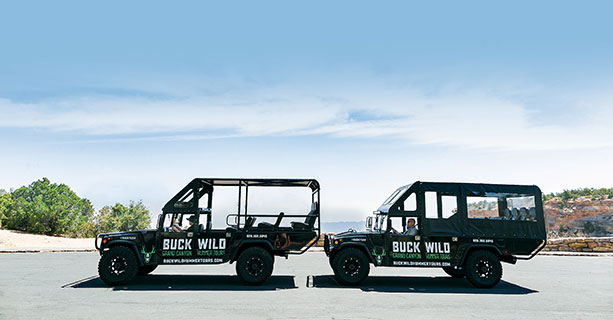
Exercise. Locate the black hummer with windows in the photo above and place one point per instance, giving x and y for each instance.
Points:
(185, 235)
(465, 228)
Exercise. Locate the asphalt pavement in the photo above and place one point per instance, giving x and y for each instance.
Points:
(66, 286)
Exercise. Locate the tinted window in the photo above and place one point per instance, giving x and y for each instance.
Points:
(482, 207)
(410, 204)
(450, 206)
(431, 205)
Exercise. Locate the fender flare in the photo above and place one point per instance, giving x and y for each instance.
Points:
(474, 247)
(128, 244)
(250, 243)
(358, 245)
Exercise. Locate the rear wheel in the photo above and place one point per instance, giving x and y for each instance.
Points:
(145, 270)
(454, 273)
(350, 266)
(118, 266)
(254, 265)
(483, 269)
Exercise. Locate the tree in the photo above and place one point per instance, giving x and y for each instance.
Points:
(48, 208)
(6, 202)
(121, 218)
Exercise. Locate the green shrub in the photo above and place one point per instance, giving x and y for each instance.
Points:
(121, 218)
(45, 208)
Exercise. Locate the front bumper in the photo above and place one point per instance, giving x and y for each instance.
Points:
(98, 243)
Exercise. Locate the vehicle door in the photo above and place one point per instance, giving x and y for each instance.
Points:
(176, 241)
(402, 236)
(441, 227)
(211, 245)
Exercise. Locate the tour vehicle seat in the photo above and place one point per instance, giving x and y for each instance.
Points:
(507, 214)
(201, 228)
(514, 214)
(532, 214)
(268, 225)
(249, 222)
(309, 221)
(523, 213)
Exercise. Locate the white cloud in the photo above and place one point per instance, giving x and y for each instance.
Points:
(474, 120)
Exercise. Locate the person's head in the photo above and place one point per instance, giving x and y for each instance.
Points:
(191, 220)
(410, 222)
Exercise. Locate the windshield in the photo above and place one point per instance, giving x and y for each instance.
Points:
(395, 195)
(379, 223)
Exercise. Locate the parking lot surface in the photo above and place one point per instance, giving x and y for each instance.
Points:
(66, 286)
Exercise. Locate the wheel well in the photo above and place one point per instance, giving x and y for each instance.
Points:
(132, 248)
(484, 248)
(245, 246)
(345, 246)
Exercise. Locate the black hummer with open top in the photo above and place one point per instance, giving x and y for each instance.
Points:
(185, 235)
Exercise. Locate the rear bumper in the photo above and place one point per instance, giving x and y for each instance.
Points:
(326, 244)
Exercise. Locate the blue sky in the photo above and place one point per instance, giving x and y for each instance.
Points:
(130, 101)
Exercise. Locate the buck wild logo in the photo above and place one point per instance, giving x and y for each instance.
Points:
(186, 244)
(413, 247)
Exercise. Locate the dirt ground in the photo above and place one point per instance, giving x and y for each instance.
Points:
(19, 241)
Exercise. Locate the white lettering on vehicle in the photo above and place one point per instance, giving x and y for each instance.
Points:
(422, 263)
(405, 246)
(186, 244)
(437, 247)
(413, 247)
(212, 243)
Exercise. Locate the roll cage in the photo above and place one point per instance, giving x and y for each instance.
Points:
(187, 202)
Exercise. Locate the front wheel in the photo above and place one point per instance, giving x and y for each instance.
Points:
(118, 266)
(350, 266)
(483, 269)
(254, 265)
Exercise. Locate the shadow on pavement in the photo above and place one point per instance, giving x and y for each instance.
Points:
(421, 284)
(162, 282)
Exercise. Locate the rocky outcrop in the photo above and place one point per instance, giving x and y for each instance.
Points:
(579, 217)
(601, 244)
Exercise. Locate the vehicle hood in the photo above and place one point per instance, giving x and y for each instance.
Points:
(126, 233)
(353, 234)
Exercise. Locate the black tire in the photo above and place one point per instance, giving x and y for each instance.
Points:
(145, 270)
(118, 266)
(454, 273)
(350, 266)
(483, 269)
(254, 265)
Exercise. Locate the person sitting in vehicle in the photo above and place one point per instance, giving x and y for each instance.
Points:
(411, 229)
(190, 228)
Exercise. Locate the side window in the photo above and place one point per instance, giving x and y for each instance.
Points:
(410, 226)
(205, 222)
(482, 207)
(181, 222)
(204, 201)
(520, 208)
(396, 224)
(186, 201)
(167, 221)
(450, 206)
(431, 205)
(410, 203)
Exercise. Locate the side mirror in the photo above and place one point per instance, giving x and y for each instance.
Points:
(369, 223)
